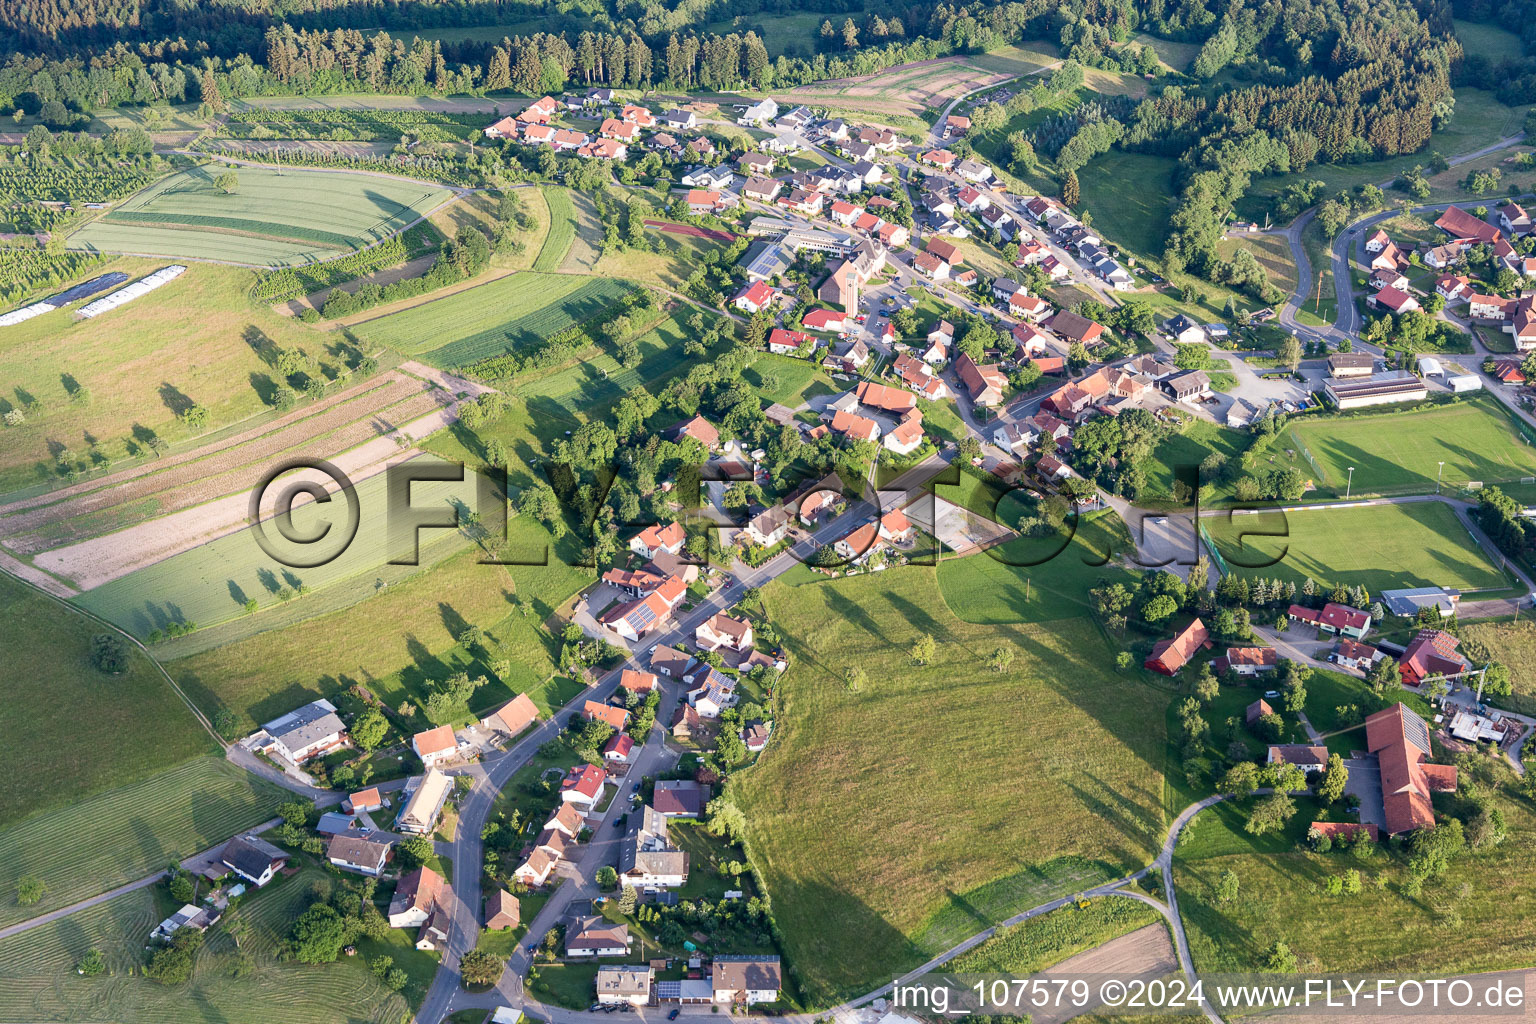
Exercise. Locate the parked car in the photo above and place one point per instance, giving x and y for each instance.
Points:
(673, 1014)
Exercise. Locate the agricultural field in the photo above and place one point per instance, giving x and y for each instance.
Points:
(585, 246)
(505, 315)
(1397, 453)
(398, 637)
(676, 257)
(562, 229)
(38, 980)
(1512, 644)
(1483, 899)
(213, 582)
(1035, 579)
(1377, 547)
(1273, 254)
(199, 339)
(268, 220)
(911, 90)
(850, 856)
(49, 678)
(1040, 942)
(123, 834)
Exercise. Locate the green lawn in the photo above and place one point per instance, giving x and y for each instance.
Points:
(509, 314)
(849, 829)
(1399, 453)
(69, 727)
(1187, 448)
(573, 986)
(1483, 900)
(1377, 547)
(122, 834)
(1035, 579)
(599, 381)
(795, 380)
(38, 979)
(1128, 194)
(1040, 942)
(403, 637)
(273, 218)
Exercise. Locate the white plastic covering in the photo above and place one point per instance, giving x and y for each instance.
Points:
(17, 316)
(128, 293)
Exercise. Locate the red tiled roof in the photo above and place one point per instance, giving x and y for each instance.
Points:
(1340, 829)
(1342, 616)
(881, 397)
(1400, 740)
(1168, 656)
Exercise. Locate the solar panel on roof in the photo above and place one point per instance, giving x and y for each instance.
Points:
(1416, 732)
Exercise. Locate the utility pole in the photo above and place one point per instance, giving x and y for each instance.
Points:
(1439, 475)
(1349, 486)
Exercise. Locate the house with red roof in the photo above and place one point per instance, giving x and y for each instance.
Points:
(632, 620)
(618, 748)
(1169, 656)
(896, 527)
(1344, 830)
(603, 149)
(596, 711)
(613, 128)
(1400, 740)
(506, 128)
(984, 383)
(539, 111)
(878, 396)
(844, 213)
(1508, 372)
(907, 436)
(825, 320)
(435, 746)
(702, 201)
(1247, 661)
(514, 716)
(1378, 241)
(859, 543)
(1431, 654)
(668, 537)
(638, 115)
(1393, 300)
(698, 429)
(789, 343)
(635, 681)
(855, 426)
(583, 785)
(753, 297)
(894, 235)
(1460, 224)
(1451, 287)
(1334, 618)
(1354, 654)
(941, 158)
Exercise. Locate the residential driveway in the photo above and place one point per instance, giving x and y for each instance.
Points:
(1365, 783)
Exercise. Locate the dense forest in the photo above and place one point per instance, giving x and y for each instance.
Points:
(1276, 85)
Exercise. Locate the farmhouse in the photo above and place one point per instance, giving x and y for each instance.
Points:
(416, 896)
(424, 802)
(1337, 619)
(1071, 327)
(658, 537)
(1307, 757)
(353, 853)
(1431, 654)
(435, 745)
(1460, 224)
(1169, 656)
(1400, 740)
(1393, 300)
(311, 731)
(984, 383)
(513, 717)
(253, 859)
(1247, 661)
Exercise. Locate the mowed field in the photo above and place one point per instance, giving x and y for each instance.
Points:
(123, 834)
(1395, 454)
(274, 218)
(1128, 194)
(1034, 579)
(1380, 546)
(910, 89)
(199, 339)
(1484, 902)
(506, 315)
(883, 821)
(212, 582)
(562, 229)
(72, 729)
(401, 637)
(38, 980)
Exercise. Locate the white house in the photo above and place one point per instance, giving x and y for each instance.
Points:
(310, 731)
(746, 980)
(435, 745)
(628, 983)
(416, 894)
(597, 936)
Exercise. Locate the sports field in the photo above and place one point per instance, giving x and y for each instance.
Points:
(75, 729)
(1379, 546)
(38, 980)
(1395, 454)
(851, 826)
(123, 834)
(503, 316)
(273, 218)
(212, 582)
